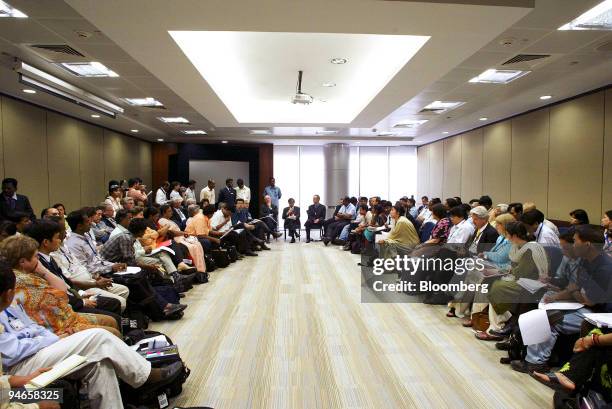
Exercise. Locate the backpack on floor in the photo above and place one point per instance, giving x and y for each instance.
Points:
(142, 294)
(210, 263)
(201, 277)
(155, 396)
(133, 318)
(221, 258)
(232, 252)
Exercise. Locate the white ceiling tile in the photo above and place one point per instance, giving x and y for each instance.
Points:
(558, 42)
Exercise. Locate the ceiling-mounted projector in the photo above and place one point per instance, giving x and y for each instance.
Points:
(300, 97)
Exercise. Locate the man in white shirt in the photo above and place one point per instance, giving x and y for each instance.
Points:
(221, 223)
(334, 226)
(243, 192)
(161, 196)
(462, 230)
(534, 222)
(209, 192)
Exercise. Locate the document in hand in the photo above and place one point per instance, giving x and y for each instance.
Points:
(66, 367)
(530, 285)
(601, 320)
(129, 270)
(160, 249)
(560, 306)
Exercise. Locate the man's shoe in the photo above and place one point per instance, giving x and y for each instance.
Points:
(308, 240)
(527, 367)
(292, 240)
(504, 332)
(326, 241)
(173, 309)
(503, 345)
(277, 234)
(264, 247)
(251, 254)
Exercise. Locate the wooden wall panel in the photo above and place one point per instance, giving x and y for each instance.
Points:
(63, 156)
(451, 185)
(94, 185)
(530, 157)
(116, 157)
(266, 167)
(471, 164)
(606, 200)
(25, 150)
(436, 168)
(145, 164)
(496, 163)
(423, 171)
(576, 156)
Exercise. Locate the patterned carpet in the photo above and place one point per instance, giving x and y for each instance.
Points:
(287, 330)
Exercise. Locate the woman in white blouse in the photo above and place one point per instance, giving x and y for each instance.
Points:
(114, 198)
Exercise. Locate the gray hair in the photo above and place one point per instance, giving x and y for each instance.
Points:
(190, 201)
(193, 209)
(503, 207)
(480, 212)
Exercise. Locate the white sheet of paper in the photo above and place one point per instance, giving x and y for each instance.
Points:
(560, 306)
(535, 328)
(602, 319)
(130, 270)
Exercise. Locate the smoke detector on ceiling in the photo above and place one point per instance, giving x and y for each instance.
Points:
(83, 33)
(507, 42)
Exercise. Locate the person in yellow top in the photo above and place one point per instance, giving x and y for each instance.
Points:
(402, 237)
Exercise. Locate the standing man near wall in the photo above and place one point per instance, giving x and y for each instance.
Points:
(208, 192)
(11, 202)
(275, 194)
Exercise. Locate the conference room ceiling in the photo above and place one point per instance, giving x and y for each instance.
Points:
(260, 46)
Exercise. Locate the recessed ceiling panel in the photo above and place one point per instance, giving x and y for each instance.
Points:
(255, 73)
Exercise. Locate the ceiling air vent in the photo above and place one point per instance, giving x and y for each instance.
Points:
(432, 110)
(57, 52)
(521, 58)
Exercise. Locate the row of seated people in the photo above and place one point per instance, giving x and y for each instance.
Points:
(516, 243)
(63, 291)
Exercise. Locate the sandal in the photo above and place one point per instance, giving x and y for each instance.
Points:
(552, 382)
(451, 313)
(485, 336)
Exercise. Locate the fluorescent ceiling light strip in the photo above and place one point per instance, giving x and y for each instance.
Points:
(603, 10)
(6, 10)
(64, 95)
(24, 68)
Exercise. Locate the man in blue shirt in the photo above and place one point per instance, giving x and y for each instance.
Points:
(273, 191)
(27, 347)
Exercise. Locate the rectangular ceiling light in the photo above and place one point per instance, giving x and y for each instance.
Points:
(493, 76)
(143, 102)
(88, 69)
(410, 123)
(326, 132)
(194, 132)
(260, 132)
(443, 106)
(597, 18)
(231, 63)
(387, 134)
(6, 10)
(173, 119)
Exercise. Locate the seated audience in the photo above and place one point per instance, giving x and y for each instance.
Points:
(99, 229)
(291, 216)
(439, 233)
(29, 349)
(593, 289)
(174, 232)
(528, 260)
(221, 224)
(516, 210)
(402, 237)
(114, 198)
(178, 215)
(534, 222)
(499, 254)
(578, 217)
(461, 230)
(334, 226)
(485, 235)
(269, 215)
(136, 190)
(43, 295)
(316, 216)
(161, 196)
(7, 229)
(527, 206)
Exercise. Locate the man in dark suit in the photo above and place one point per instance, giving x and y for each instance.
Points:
(291, 216)
(316, 216)
(227, 195)
(11, 202)
(485, 235)
(178, 215)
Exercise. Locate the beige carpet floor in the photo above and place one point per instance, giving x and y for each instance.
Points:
(287, 329)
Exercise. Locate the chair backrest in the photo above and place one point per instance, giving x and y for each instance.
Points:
(426, 231)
